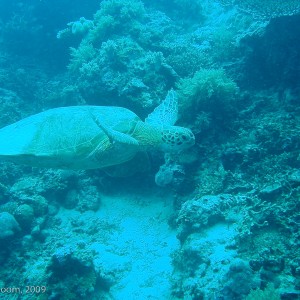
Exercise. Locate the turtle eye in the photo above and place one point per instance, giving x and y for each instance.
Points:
(184, 137)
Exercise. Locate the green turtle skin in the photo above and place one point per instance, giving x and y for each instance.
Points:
(92, 137)
(69, 137)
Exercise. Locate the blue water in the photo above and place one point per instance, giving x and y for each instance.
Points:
(190, 190)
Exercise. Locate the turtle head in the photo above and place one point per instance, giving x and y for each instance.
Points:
(175, 139)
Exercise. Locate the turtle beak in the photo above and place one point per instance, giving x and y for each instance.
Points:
(190, 139)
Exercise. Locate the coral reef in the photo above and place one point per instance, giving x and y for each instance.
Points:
(269, 293)
(210, 91)
(266, 9)
(68, 267)
(12, 107)
(220, 221)
(9, 225)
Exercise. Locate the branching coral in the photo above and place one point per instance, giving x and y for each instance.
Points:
(113, 58)
(267, 9)
(125, 9)
(209, 90)
(83, 54)
(269, 293)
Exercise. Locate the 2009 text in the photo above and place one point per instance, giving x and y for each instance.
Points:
(29, 289)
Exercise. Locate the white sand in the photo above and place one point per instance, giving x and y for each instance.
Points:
(139, 251)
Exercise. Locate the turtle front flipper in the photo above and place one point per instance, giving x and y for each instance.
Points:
(115, 136)
(166, 113)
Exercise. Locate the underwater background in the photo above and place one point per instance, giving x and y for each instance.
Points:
(219, 221)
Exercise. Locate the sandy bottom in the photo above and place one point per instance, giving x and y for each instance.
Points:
(138, 252)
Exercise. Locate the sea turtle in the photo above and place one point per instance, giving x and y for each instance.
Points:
(91, 137)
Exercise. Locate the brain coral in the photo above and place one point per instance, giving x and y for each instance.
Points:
(9, 225)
